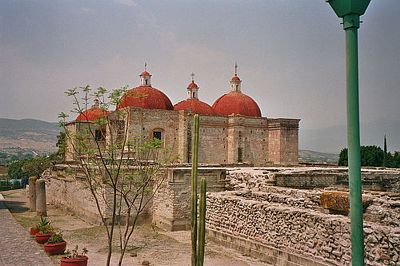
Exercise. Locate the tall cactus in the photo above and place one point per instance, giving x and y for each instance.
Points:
(198, 234)
(195, 152)
(202, 223)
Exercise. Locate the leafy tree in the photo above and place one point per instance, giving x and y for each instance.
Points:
(30, 167)
(370, 156)
(123, 173)
(343, 160)
(393, 160)
(15, 170)
(396, 160)
(37, 165)
(61, 145)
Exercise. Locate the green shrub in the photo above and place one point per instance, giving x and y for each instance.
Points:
(56, 238)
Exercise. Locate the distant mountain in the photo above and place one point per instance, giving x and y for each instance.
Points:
(333, 139)
(25, 124)
(27, 136)
(307, 156)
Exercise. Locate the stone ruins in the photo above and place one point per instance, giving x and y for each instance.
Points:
(271, 213)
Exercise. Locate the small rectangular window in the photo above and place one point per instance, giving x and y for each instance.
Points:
(98, 135)
(157, 135)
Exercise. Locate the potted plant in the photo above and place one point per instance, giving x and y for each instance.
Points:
(45, 230)
(55, 245)
(43, 222)
(74, 258)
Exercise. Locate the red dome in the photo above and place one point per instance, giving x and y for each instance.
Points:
(195, 106)
(145, 97)
(91, 114)
(236, 103)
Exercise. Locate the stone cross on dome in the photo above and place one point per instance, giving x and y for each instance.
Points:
(193, 89)
(235, 82)
(236, 66)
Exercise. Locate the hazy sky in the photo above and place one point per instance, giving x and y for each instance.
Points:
(290, 54)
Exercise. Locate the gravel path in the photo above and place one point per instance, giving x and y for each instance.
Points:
(16, 246)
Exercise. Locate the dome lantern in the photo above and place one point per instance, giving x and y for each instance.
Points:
(192, 103)
(193, 89)
(235, 82)
(145, 77)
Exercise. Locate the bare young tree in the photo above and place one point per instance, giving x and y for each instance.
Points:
(122, 172)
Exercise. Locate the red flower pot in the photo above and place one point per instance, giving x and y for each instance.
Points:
(42, 238)
(33, 231)
(79, 261)
(54, 249)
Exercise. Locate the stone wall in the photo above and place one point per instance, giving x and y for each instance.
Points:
(143, 122)
(223, 140)
(66, 187)
(68, 190)
(296, 227)
(213, 140)
(280, 225)
(171, 204)
(378, 179)
(283, 141)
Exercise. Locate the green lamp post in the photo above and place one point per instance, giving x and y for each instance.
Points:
(350, 11)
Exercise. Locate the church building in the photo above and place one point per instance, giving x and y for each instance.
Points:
(232, 130)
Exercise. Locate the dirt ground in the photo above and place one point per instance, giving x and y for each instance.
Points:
(148, 243)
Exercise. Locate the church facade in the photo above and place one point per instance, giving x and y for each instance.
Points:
(232, 130)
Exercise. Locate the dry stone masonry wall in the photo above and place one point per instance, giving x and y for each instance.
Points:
(310, 177)
(282, 225)
(256, 212)
(297, 230)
